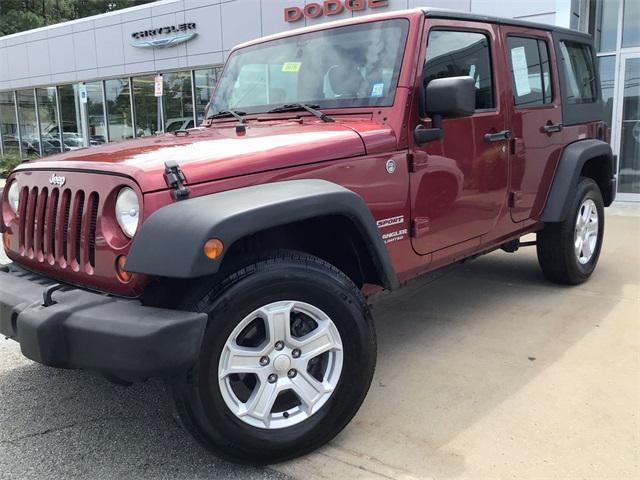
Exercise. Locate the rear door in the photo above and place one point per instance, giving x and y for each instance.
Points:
(535, 118)
(459, 183)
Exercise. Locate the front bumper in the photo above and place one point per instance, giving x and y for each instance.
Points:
(82, 329)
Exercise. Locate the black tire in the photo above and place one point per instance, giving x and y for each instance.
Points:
(555, 242)
(283, 275)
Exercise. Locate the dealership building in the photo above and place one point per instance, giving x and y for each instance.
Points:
(152, 68)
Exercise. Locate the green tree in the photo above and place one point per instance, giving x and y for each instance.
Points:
(20, 15)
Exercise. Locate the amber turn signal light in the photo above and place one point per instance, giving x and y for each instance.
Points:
(213, 248)
(6, 240)
(123, 275)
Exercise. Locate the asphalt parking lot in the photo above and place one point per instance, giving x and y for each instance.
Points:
(485, 371)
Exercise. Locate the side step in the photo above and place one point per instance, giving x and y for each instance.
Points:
(514, 245)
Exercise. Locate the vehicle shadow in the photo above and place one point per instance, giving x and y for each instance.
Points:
(72, 424)
(453, 350)
(450, 351)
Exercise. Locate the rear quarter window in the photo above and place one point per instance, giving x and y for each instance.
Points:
(579, 80)
(579, 73)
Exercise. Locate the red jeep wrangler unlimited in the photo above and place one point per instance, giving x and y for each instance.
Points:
(234, 259)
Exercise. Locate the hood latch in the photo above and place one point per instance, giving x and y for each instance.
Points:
(175, 179)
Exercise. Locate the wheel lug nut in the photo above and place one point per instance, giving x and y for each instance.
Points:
(279, 345)
(295, 353)
(264, 361)
(273, 378)
(292, 373)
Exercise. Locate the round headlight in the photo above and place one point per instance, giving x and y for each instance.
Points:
(14, 197)
(128, 211)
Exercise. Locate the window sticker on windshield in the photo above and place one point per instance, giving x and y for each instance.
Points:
(377, 90)
(291, 67)
(472, 74)
(472, 70)
(520, 71)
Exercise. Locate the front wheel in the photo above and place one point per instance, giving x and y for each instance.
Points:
(568, 251)
(287, 359)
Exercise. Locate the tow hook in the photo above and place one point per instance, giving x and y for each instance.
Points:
(47, 294)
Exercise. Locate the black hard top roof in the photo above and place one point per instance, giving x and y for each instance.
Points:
(472, 17)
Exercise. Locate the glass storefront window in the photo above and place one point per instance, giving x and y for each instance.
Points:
(95, 114)
(118, 109)
(27, 123)
(72, 135)
(109, 113)
(178, 102)
(629, 174)
(605, 27)
(146, 106)
(205, 83)
(631, 24)
(8, 124)
(48, 111)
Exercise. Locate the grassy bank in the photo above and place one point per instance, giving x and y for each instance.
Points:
(7, 163)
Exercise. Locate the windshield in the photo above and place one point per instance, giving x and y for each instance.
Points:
(352, 66)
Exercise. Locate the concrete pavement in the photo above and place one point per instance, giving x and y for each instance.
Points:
(491, 372)
(488, 371)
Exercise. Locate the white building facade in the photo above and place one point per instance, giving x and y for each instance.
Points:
(148, 69)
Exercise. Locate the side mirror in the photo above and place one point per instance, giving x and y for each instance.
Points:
(452, 97)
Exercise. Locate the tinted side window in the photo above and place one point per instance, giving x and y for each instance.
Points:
(530, 76)
(455, 54)
(579, 72)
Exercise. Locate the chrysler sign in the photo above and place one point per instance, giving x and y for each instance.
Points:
(164, 36)
(330, 7)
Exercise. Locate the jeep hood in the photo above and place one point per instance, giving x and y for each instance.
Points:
(211, 153)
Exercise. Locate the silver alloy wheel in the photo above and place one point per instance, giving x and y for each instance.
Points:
(306, 366)
(586, 232)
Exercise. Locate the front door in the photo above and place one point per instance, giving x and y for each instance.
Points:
(627, 137)
(458, 183)
(535, 118)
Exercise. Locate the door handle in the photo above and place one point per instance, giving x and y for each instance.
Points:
(552, 127)
(498, 136)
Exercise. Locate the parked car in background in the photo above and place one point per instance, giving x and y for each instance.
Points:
(72, 141)
(71, 137)
(173, 124)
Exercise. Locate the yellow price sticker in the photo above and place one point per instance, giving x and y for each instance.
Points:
(291, 67)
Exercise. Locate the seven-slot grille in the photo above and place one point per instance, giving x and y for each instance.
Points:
(58, 226)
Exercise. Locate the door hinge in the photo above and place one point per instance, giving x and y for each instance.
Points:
(175, 179)
(514, 198)
(420, 227)
(416, 162)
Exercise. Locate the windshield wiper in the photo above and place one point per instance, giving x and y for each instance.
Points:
(229, 113)
(303, 106)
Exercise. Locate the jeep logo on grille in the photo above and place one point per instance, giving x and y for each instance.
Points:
(56, 180)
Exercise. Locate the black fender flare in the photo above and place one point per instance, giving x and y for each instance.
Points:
(170, 242)
(567, 176)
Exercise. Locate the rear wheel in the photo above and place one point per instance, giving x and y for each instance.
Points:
(287, 359)
(568, 251)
